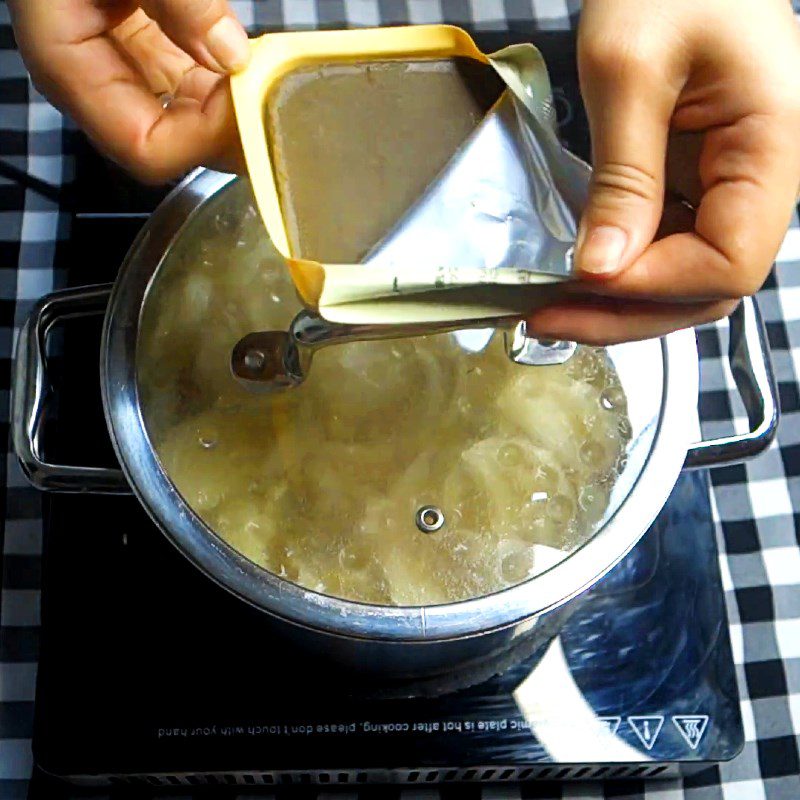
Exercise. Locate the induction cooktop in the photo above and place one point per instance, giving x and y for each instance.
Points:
(152, 675)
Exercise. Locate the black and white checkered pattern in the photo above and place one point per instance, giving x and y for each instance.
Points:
(754, 505)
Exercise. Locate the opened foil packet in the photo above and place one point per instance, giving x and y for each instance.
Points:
(490, 237)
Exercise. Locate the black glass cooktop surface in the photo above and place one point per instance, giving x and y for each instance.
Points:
(149, 669)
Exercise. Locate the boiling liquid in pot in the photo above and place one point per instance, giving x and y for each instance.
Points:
(321, 484)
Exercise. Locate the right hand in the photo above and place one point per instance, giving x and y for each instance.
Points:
(108, 64)
(723, 75)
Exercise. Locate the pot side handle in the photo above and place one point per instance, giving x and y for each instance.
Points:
(31, 386)
(748, 355)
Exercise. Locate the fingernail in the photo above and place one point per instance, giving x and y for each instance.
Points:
(601, 251)
(228, 44)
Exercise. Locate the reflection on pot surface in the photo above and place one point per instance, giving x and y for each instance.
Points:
(323, 484)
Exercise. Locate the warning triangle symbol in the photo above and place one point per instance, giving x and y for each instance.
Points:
(611, 724)
(691, 727)
(647, 728)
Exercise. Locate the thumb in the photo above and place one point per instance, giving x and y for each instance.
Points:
(205, 29)
(629, 103)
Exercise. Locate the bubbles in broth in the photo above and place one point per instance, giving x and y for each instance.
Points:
(322, 484)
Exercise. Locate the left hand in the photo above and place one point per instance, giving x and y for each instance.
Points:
(108, 63)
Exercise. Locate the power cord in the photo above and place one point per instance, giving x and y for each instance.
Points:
(19, 176)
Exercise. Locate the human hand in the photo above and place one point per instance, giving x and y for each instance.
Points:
(108, 64)
(726, 72)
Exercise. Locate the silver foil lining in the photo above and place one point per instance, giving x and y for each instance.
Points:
(504, 211)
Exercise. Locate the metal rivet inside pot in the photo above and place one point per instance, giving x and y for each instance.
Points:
(429, 519)
(254, 360)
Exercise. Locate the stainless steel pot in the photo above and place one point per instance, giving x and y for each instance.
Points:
(660, 378)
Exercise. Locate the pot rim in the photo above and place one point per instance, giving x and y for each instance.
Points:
(290, 602)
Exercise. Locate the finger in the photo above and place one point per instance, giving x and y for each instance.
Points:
(198, 84)
(107, 97)
(630, 81)
(749, 172)
(678, 217)
(206, 29)
(161, 63)
(604, 321)
(167, 69)
(40, 25)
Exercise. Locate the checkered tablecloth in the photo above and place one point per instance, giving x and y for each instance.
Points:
(753, 504)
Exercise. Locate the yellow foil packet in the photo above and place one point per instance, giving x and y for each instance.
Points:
(497, 223)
